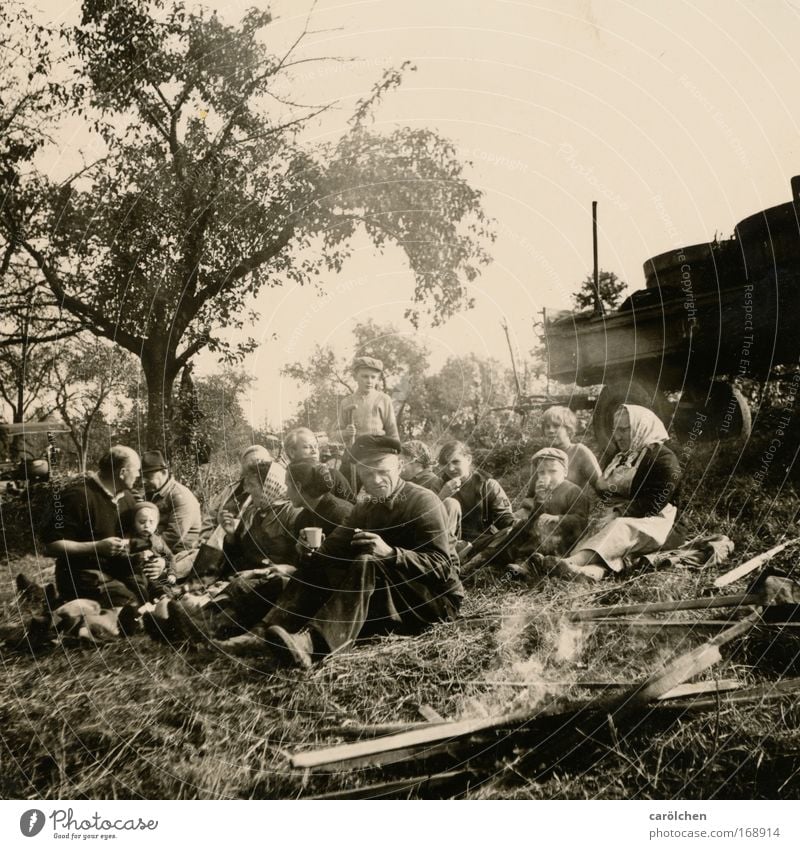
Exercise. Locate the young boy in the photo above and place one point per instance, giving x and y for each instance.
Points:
(555, 511)
(558, 427)
(149, 556)
(550, 520)
(367, 410)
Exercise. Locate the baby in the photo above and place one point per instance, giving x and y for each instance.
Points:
(149, 556)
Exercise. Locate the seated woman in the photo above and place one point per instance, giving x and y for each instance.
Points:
(483, 505)
(265, 550)
(264, 533)
(558, 427)
(638, 491)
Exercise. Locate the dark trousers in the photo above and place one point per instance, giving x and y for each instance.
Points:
(97, 585)
(245, 602)
(358, 599)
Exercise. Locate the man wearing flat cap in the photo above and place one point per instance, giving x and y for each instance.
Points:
(181, 516)
(390, 568)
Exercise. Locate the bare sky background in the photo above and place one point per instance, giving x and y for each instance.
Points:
(676, 117)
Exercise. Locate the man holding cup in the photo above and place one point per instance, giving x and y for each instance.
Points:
(391, 567)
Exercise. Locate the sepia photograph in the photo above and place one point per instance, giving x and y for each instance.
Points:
(399, 401)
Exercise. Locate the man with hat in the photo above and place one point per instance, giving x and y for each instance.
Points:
(181, 517)
(390, 568)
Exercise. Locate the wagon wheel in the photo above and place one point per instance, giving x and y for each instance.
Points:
(723, 414)
(642, 393)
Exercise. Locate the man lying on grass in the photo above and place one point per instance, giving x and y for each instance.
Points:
(391, 568)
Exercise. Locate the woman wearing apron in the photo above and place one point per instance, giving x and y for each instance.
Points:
(638, 492)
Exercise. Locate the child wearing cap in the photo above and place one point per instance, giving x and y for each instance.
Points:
(150, 557)
(555, 510)
(367, 410)
(558, 427)
(551, 518)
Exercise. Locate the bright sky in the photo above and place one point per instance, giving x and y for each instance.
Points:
(676, 117)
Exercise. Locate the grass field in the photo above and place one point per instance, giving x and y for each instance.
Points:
(136, 719)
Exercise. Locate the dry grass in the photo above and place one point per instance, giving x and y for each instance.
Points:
(139, 719)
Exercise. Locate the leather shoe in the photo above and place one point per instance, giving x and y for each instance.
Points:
(197, 625)
(297, 649)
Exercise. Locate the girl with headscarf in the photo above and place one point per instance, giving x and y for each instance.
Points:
(638, 491)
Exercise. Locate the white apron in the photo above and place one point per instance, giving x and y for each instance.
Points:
(612, 537)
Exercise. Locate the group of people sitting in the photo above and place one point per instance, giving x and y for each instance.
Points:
(314, 557)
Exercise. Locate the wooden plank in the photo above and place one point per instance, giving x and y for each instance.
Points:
(427, 735)
(700, 688)
(751, 565)
(684, 667)
(403, 785)
(589, 613)
(764, 692)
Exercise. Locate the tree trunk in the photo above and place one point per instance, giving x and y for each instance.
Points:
(160, 370)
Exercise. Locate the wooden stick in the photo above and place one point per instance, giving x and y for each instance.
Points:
(751, 565)
(700, 688)
(589, 613)
(399, 746)
(386, 788)
(429, 714)
(766, 692)
(683, 667)
(684, 623)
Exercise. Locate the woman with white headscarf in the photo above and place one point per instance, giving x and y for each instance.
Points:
(638, 491)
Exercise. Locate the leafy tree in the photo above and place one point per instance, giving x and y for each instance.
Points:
(328, 376)
(462, 395)
(86, 377)
(611, 291)
(29, 97)
(208, 193)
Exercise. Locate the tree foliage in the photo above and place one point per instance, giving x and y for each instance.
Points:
(611, 291)
(87, 377)
(208, 193)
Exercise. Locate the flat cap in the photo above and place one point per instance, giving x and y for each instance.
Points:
(372, 445)
(551, 454)
(367, 362)
(153, 461)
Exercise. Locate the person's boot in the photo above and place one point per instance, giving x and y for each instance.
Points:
(256, 643)
(295, 649)
(198, 624)
(30, 593)
(129, 621)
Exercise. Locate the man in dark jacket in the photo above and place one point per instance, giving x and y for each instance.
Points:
(391, 568)
(86, 530)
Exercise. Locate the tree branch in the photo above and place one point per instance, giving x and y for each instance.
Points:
(81, 309)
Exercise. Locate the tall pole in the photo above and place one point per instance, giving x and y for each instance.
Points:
(504, 325)
(598, 304)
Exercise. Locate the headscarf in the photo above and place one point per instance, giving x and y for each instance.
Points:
(418, 451)
(646, 429)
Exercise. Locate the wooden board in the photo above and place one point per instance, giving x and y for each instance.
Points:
(751, 565)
